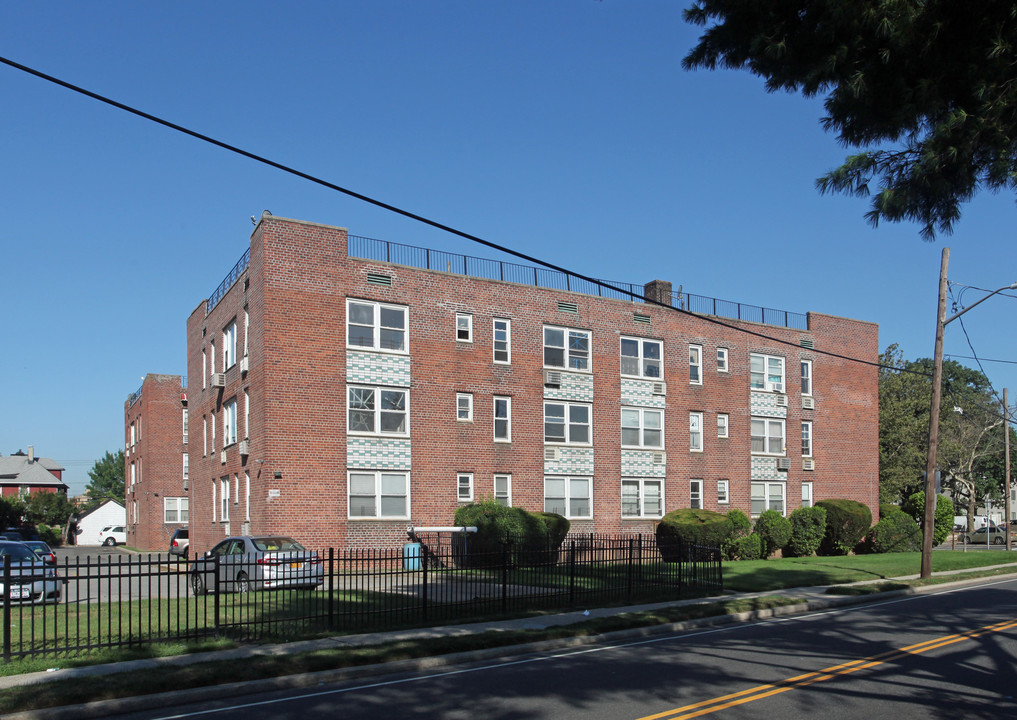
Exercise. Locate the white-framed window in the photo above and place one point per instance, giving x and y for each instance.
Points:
(204, 435)
(767, 436)
(766, 372)
(807, 438)
(175, 509)
(502, 340)
(503, 489)
(642, 498)
(696, 431)
(204, 368)
(134, 474)
(641, 357)
(211, 417)
(247, 414)
(722, 365)
(464, 407)
(464, 487)
(806, 377)
(247, 495)
(378, 410)
(566, 348)
(722, 425)
(133, 435)
(211, 357)
(695, 364)
(502, 418)
(229, 423)
(236, 489)
(214, 482)
(185, 426)
(566, 423)
(696, 494)
(464, 327)
(376, 326)
(224, 496)
(569, 496)
(187, 466)
(723, 492)
(229, 346)
(247, 329)
(806, 494)
(642, 427)
(766, 496)
(379, 494)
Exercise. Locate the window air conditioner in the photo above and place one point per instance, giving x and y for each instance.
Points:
(245, 447)
(552, 377)
(550, 454)
(187, 485)
(660, 388)
(782, 401)
(783, 464)
(808, 403)
(222, 456)
(245, 364)
(218, 380)
(808, 464)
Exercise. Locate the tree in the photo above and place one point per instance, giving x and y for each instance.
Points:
(107, 479)
(931, 81)
(48, 508)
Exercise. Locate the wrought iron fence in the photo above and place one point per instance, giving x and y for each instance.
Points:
(136, 600)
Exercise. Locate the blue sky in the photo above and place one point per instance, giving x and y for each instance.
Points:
(566, 130)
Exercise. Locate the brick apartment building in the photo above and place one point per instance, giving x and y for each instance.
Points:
(340, 399)
(155, 461)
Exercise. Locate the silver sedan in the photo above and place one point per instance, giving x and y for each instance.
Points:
(33, 580)
(248, 563)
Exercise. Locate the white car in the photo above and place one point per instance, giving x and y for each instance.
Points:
(113, 535)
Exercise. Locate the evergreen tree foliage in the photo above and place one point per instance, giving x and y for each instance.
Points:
(107, 479)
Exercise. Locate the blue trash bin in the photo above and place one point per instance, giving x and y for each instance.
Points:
(411, 556)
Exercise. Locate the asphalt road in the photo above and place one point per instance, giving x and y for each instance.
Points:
(952, 654)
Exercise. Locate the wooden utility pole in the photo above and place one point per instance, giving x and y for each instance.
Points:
(1006, 467)
(937, 383)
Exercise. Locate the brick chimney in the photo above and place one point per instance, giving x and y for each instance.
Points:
(31, 454)
(658, 291)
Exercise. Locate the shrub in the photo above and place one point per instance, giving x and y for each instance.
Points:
(887, 508)
(847, 521)
(897, 532)
(688, 526)
(51, 535)
(749, 547)
(774, 530)
(942, 522)
(531, 540)
(808, 525)
(741, 526)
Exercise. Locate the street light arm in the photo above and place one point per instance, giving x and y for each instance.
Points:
(1011, 286)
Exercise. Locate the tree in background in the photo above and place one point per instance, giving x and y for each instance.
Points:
(904, 402)
(107, 479)
(924, 89)
(48, 508)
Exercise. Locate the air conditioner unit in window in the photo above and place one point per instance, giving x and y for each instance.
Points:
(808, 464)
(808, 403)
(245, 447)
(245, 364)
(659, 458)
(783, 463)
(218, 380)
(551, 454)
(552, 377)
(660, 388)
(187, 485)
(782, 401)
(222, 456)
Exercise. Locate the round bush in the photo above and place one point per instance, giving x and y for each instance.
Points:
(687, 526)
(847, 521)
(749, 547)
(808, 525)
(527, 532)
(774, 530)
(897, 532)
(741, 526)
(942, 522)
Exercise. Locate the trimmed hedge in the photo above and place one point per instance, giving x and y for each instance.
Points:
(688, 526)
(749, 547)
(741, 526)
(847, 521)
(808, 526)
(896, 532)
(942, 522)
(536, 537)
(774, 530)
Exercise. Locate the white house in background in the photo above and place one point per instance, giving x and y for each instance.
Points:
(109, 512)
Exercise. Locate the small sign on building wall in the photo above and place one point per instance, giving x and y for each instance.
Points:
(274, 493)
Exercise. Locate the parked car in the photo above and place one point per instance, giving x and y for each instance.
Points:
(12, 535)
(995, 535)
(179, 542)
(42, 550)
(257, 563)
(32, 579)
(113, 535)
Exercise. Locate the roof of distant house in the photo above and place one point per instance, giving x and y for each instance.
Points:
(23, 469)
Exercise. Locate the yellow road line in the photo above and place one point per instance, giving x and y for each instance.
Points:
(764, 691)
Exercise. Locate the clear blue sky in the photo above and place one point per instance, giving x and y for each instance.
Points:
(566, 130)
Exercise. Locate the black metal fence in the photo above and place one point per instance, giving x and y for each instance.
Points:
(135, 600)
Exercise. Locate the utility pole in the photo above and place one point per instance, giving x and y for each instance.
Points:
(937, 384)
(1006, 467)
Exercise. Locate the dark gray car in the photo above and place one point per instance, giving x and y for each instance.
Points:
(248, 563)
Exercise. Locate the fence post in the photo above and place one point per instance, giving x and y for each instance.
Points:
(7, 608)
(504, 575)
(629, 569)
(423, 589)
(215, 601)
(331, 587)
(572, 573)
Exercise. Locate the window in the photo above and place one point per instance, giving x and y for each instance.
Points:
(642, 498)
(175, 509)
(247, 329)
(502, 340)
(568, 496)
(375, 326)
(213, 500)
(247, 495)
(722, 360)
(229, 346)
(767, 436)
(766, 496)
(134, 475)
(211, 358)
(807, 439)
(723, 492)
(204, 435)
(566, 348)
(212, 423)
(722, 425)
(766, 372)
(378, 411)
(806, 494)
(503, 490)
(695, 365)
(133, 438)
(185, 426)
(696, 494)
(641, 358)
(464, 407)
(502, 418)
(464, 490)
(247, 414)
(379, 495)
(204, 374)
(464, 327)
(224, 495)
(566, 423)
(696, 431)
(642, 427)
(229, 423)
(187, 466)
(806, 377)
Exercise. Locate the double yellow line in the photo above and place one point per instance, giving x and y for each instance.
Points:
(764, 691)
